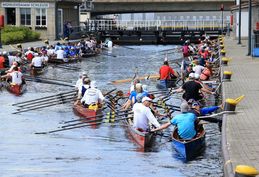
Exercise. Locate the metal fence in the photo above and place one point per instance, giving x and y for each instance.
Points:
(210, 24)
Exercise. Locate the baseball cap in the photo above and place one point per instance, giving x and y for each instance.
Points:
(146, 99)
(191, 75)
(195, 104)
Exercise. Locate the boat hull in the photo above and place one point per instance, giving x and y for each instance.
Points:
(88, 114)
(190, 149)
(16, 89)
(144, 139)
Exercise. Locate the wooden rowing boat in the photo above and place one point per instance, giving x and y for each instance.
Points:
(88, 114)
(37, 71)
(54, 60)
(189, 149)
(16, 89)
(144, 139)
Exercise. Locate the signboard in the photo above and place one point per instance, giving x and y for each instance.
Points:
(24, 5)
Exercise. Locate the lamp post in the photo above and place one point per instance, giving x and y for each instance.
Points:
(222, 22)
(249, 28)
(239, 23)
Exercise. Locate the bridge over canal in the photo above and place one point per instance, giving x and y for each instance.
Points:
(134, 6)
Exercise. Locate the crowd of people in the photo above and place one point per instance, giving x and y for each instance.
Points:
(196, 67)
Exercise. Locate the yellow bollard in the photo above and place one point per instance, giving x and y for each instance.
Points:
(245, 171)
(227, 75)
(221, 46)
(230, 104)
(225, 60)
(107, 120)
(223, 52)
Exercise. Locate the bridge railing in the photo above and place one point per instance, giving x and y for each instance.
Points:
(148, 25)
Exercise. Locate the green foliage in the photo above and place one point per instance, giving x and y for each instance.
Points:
(13, 34)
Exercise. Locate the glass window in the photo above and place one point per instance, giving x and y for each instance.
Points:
(41, 19)
(25, 16)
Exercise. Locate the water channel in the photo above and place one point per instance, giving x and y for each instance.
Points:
(105, 151)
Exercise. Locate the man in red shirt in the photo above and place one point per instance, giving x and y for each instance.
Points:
(166, 75)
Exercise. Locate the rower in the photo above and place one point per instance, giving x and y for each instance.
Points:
(185, 123)
(37, 61)
(92, 96)
(192, 89)
(16, 77)
(143, 115)
(60, 54)
(79, 82)
(166, 74)
(29, 54)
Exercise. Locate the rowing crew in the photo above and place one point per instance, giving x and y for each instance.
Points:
(88, 94)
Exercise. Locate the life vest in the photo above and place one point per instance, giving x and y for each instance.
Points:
(205, 75)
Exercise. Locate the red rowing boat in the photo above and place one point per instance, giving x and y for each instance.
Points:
(144, 139)
(88, 114)
(16, 89)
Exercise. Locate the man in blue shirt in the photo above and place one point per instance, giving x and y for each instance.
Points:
(185, 123)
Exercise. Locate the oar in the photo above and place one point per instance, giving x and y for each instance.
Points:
(106, 54)
(125, 47)
(48, 82)
(60, 80)
(151, 76)
(97, 116)
(75, 127)
(215, 115)
(67, 68)
(96, 120)
(46, 103)
(62, 93)
(44, 106)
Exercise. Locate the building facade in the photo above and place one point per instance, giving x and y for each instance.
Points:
(45, 16)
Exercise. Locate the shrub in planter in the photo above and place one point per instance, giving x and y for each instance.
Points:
(13, 34)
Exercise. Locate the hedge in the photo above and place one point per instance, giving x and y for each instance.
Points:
(12, 34)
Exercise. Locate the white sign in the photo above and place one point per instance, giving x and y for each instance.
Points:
(25, 4)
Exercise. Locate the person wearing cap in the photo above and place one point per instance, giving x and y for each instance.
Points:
(192, 89)
(142, 115)
(198, 111)
(166, 75)
(92, 96)
(197, 68)
(135, 96)
(185, 123)
(79, 82)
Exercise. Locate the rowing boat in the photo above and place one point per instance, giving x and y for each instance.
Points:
(189, 149)
(144, 139)
(38, 70)
(16, 89)
(54, 60)
(88, 114)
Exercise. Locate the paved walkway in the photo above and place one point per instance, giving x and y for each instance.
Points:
(241, 131)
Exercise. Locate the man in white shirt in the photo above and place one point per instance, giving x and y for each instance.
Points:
(16, 76)
(143, 115)
(92, 95)
(198, 68)
(37, 61)
(60, 54)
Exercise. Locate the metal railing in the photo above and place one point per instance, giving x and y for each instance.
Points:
(208, 24)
